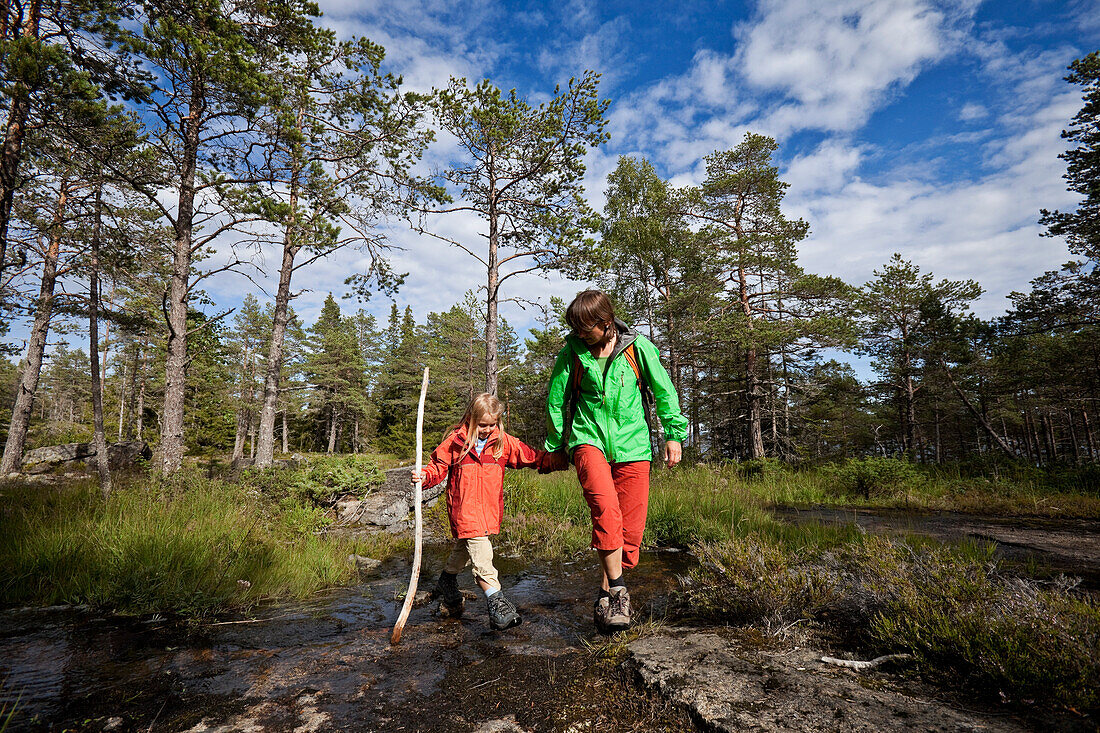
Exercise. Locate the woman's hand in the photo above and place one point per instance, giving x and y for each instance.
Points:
(561, 461)
(673, 453)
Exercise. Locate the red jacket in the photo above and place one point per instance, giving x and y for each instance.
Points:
(475, 487)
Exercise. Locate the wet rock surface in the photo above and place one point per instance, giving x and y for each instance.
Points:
(728, 686)
(328, 665)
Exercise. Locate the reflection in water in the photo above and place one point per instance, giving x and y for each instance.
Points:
(68, 667)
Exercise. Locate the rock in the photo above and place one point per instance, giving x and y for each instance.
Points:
(387, 507)
(501, 725)
(82, 457)
(112, 724)
(363, 564)
(726, 687)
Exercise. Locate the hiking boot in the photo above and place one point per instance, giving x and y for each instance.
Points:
(451, 601)
(502, 614)
(618, 609)
(600, 614)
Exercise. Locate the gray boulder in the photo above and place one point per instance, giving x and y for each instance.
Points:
(388, 506)
(82, 457)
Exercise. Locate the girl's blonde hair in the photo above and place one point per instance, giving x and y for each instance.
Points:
(483, 405)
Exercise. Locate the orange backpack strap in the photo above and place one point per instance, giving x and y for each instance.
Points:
(632, 358)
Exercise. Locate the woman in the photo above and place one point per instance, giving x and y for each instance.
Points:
(596, 405)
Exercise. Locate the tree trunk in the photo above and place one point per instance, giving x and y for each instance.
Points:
(1031, 455)
(140, 409)
(121, 403)
(265, 450)
(752, 380)
(175, 370)
(100, 438)
(335, 419)
(1073, 437)
(491, 312)
(1044, 428)
(1088, 434)
(939, 453)
(286, 447)
(11, 155)
(36, 344)
(1035, 438)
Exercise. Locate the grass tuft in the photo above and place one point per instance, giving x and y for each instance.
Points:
(186, 545)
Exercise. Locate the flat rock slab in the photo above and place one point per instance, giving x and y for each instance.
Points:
(726, 687)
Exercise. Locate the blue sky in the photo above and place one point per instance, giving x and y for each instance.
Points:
(927, 128)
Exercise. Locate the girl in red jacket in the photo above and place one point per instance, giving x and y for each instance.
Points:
(472, 458)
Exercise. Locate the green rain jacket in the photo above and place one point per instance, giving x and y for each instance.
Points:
(609, 413)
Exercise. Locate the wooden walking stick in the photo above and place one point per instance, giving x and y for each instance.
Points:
(410, 594)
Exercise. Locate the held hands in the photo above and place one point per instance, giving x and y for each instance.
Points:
(559, 461)
(673, 453)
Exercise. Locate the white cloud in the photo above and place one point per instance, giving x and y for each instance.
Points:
(971, 112)
(834, 63)
(984, 229)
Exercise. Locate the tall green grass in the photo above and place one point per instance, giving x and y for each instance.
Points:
(187, 545)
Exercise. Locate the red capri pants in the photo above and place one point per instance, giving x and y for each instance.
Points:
(617, 495)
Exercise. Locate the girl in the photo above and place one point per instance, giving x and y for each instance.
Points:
(473, 457)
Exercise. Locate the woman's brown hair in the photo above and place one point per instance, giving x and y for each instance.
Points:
(589, 309)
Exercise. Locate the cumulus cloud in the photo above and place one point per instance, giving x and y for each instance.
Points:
(834, 63)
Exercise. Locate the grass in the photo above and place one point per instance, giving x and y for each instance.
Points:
(189, 545)
(966, 619)
(1009, 490)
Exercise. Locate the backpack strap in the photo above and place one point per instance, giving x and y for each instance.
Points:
(576, 374)
(632, 358)
(647, 394)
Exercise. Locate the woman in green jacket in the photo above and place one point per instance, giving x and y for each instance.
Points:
(596, 408)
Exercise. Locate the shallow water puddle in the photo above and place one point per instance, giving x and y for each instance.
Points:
(328, 663)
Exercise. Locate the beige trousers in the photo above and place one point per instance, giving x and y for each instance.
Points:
(476, 551)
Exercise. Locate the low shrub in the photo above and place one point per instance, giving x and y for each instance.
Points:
(958, 613)
(319, 482)
(875, 477)
(760, 468)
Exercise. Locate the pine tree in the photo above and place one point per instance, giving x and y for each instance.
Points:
(894, 328)
(336, 371)
(521, 172)
(774, 313)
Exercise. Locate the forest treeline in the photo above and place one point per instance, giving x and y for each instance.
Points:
(145, 141)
